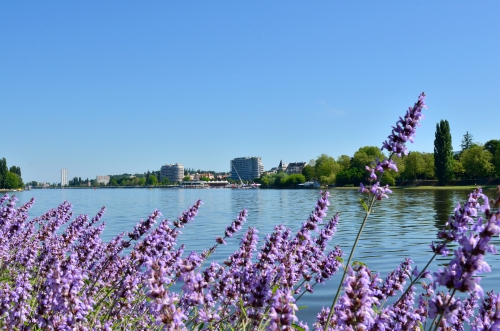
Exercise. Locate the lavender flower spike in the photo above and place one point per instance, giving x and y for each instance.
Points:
(405, 128)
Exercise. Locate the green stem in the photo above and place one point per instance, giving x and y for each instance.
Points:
(304, 292)
(416, 279)
(352, 253)
(348, 263)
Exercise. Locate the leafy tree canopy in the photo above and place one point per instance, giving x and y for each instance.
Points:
(492, 146)
(365, 156)
(309, 172)
(326, 166)
(344, 161)
(477, 162)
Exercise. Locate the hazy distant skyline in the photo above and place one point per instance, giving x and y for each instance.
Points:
(124, 87)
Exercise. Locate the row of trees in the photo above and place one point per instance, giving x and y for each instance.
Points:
(474, 161)
(10, 178)
(281, 180)
(150, 178)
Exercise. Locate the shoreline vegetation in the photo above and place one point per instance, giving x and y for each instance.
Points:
(401, 187)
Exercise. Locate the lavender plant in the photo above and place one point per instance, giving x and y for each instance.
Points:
(57, 274)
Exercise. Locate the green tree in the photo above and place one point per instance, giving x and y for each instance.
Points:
(477, 162)
(281, 180)
(351, 176)
(309, 172)
(496, 161)
(11, 180)
(113, 182)
(267, 180)
(365, 156)
(15, 170)
(152, 180)
(492, 146)
(388, 178)
(344, 161)
(467, 141)
(429, 170)
(414, 165)
(294, 179)
(165, 181)
(186, 178)
(443, 152)
(326, 169)
(458, 169)
(3, 172)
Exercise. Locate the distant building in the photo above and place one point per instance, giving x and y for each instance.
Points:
(174, 172)
(204, 174)
(248, 168)
(103, 179)
(282, 166)
(295, 167)
(64, 177)
(272, 170)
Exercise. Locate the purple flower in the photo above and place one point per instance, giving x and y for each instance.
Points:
(144, 226)
(282, 312)
(405, 128)
(488, 317)
(236, 224)
(446, 305)
(188, 215)
(355, 307)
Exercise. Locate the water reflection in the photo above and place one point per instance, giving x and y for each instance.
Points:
(443, 207)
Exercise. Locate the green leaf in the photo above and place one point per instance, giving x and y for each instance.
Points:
(338, 258)
(297, 327)
(356, 263)
(376, 309)
(421, 326)
(302, 307)
(202, 325)
(275, 288)
(242, 306)
(363, 204)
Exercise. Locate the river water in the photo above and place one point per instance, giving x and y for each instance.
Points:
(402, 226)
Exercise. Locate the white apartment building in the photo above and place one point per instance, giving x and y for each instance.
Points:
(103, 179)
(246, 168)
(174, 172)
(64, 177)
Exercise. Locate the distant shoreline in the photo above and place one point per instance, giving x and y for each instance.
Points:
(422, 187)
(451, 187)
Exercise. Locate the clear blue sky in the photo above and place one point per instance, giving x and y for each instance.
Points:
(111, 87)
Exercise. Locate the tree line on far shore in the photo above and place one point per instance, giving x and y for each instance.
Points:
(10, 178)
(473, 161)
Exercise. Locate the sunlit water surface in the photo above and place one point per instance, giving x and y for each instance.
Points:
(402, 226)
